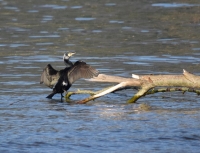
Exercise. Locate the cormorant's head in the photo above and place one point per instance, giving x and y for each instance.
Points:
(66, 56)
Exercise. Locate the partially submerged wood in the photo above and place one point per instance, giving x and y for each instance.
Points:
(146, 83)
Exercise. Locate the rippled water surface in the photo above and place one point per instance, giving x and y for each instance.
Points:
(117, 38)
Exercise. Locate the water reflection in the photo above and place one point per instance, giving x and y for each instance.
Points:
(32, 11)
(174, 5)
(17, 29)
(115, 21)
(110, 4)
(18, 45)
(63, 29)
(84, 19)
(76, 7)
(70, 44)
(96, 31)
(164, 58)
(12, 8)
(47, 18)
(127, 28)
(44, 44)
(46, 36)
(196, 49)
(3, 45)
(51, 6)
(144, 31)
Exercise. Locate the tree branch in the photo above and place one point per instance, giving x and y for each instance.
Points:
(147, 83)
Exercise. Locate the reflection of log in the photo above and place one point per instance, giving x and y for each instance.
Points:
(146, 83)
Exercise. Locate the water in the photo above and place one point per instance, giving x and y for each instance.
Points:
(117, 38)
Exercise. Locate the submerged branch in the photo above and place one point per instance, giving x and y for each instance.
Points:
(69, 94)
(183, 89)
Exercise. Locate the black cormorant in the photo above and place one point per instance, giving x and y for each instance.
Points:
(62, 80)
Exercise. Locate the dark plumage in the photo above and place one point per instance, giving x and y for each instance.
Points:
(62, 80)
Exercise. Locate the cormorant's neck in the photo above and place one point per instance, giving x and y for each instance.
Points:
(68, 63)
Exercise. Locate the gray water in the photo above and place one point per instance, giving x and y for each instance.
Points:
(117, 38)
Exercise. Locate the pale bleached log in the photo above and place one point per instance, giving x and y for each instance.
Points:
(112, 79)
(146, 83)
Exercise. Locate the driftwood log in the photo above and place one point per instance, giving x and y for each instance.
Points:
(146, 83)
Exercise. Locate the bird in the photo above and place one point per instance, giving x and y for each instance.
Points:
(61, 80)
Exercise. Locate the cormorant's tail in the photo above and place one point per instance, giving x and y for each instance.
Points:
(51, 95)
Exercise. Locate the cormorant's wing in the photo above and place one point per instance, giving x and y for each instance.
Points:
(81, 70)
(49, 76)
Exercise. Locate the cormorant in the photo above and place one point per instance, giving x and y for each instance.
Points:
(62, 80)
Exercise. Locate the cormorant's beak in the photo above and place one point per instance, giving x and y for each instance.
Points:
(71, 54)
